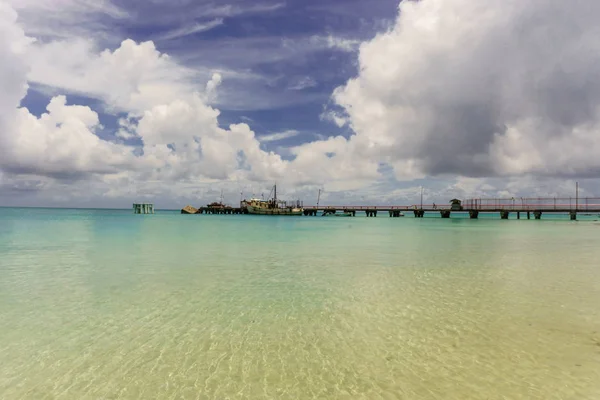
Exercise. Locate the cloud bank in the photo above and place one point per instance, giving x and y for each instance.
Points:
(455, 88)
(481, 88)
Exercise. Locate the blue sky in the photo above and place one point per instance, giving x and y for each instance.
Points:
(113, 101)
(280, 71)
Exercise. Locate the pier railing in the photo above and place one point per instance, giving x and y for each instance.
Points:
(359, 208)
(534, 203)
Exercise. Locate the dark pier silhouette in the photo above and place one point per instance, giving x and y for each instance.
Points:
(533, 207)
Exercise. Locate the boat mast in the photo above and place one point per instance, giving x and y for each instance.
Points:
(275, 193)
(318, 198)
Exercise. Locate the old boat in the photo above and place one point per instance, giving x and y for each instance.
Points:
(273, 206)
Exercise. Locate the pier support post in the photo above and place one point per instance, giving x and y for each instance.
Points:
(518, 215)
(473, 214)
(504, 214)
(537, 214)
(573, 215)
(528, 215)
(445, 213)
(419, 213)
(391, 214)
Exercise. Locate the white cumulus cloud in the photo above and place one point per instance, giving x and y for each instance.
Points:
(481, 88)
(180, 134)
(469, 90)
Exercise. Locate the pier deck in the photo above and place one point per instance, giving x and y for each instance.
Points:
(505, 207)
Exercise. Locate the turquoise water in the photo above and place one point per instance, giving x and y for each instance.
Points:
(104, 304)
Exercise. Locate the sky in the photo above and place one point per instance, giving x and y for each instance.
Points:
(109, 102)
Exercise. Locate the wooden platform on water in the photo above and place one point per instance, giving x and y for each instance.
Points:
(521, 207)
(143, 208)
(213, 210)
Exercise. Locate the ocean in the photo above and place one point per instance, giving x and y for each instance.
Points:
(104, 304)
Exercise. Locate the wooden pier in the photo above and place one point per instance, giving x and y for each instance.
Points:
(225, 210)
(522, 207)
(370, 211)
(536, 206)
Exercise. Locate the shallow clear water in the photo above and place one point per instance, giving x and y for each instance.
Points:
(105, 304)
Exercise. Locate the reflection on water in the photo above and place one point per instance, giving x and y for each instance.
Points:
(104, 304)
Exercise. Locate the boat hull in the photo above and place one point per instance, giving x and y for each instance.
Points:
(273, 211)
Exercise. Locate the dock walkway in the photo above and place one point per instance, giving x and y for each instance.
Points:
(526, 207)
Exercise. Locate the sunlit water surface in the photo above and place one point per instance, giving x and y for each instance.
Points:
(101, 304)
